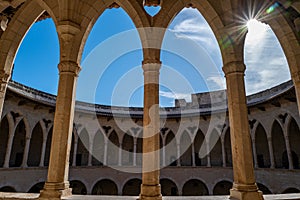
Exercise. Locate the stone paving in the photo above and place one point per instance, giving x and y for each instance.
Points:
(25, 196)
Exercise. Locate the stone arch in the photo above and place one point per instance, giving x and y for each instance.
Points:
(8, 189)
(228, 150)
(288, 40)
(168, 187)
(82, 154)
(194, 187)
(127, 150)
(171, 10)
(132, 8)
(278, 142)
(18, 146)
(113, 149)
(98, 149)
(78, 187)
(4, 134)
(170, 149)
(263, 188)
(216, 150)
(37, 187)
(262, 149)
(291, 190)
(185, 149)
(294, 138)
(35, 148)
(132, 187)
(105, 187)
(198, 142)
(48, 147)
(17, 29)
(222, 188)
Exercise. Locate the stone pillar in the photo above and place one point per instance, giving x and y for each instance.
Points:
(244, 186)
(120, 154)
(134, 151)
(150, 188)
(289, 152)
(105, 150)
(9, 147)
(223, 153)
(43, 152)
(57, 184)
(193, 155)
(4, 78)
(26, 152)
(74, 150)
(254, 153)
(91, 144)
(178, 155)
(271, 151)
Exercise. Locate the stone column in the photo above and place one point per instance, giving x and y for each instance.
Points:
(134, 151)
(150, 188)
(26, 152)
(223, 153)
(43, 152)
(178, 155)
(91, 144)
(9, 147)
(105, 150)
(4, 78)
(57, 184)
(254, 153)
(193, 155)
(244, 186)
(289, 152)
(74, 150)
(120, 154)
(271, 151)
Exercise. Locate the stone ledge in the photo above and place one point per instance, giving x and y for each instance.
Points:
(24, 196)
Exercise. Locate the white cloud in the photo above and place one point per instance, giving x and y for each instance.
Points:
(173, 95)
(265, 61)
(216, 83)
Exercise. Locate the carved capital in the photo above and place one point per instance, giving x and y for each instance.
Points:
(234, 67)
(151, 65)
(69, 67)
(4, 78)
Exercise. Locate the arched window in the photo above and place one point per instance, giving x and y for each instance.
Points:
(36, 143)
(168, 187)
(132, 187)
(18, 147)
(4, 131)
(194, 187)
(105, 187)
(262, 148)
(279, 146)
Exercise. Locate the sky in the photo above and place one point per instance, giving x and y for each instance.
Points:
(111, 63)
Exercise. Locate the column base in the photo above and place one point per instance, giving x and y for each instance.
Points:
(245, 192)
(150, 192)
(55, 191)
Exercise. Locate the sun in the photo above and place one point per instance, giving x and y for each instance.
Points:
(256, 29)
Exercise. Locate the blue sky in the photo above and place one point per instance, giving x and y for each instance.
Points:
(111, 65)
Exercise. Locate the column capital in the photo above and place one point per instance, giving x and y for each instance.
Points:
(4, 76)
(151, 65)
(69, 67)
(234, 67)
